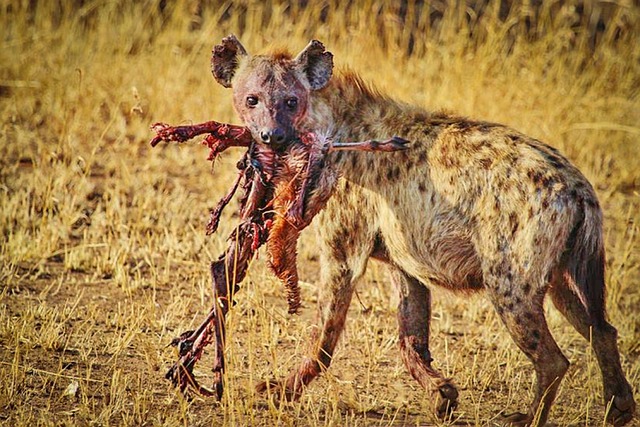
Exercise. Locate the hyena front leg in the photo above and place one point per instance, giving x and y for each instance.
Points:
(603, 338)
(519, 303)
(343, 261)
(414, 316)
(333, 306)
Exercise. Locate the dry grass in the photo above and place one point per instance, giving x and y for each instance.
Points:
(103, 253)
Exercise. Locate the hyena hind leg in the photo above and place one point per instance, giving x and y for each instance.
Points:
(603, 338)
(414, 316)
(523, 316)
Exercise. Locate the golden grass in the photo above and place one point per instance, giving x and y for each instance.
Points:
(103, 253)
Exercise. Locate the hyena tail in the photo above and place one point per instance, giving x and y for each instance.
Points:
(586, 262)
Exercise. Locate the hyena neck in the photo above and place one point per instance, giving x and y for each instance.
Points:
(350, 110)
(347, 107)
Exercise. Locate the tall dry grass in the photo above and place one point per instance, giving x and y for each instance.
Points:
(103, 254)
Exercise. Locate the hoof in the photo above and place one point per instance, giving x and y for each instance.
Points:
(446, 400)
(397, 144)
(622, 410)
(218, 384)
(517, 419)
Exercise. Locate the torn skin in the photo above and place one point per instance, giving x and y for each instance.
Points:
(276, 206)
(220, 135)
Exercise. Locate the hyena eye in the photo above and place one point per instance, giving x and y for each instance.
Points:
(292, 103)
(252, 101)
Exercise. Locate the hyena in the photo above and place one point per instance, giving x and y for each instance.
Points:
(470, 206)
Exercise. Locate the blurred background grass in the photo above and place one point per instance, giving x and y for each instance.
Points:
(103, 253)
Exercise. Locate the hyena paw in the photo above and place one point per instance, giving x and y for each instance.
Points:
(516, 419)
(278, 390)
(622, 410)
(446, 399)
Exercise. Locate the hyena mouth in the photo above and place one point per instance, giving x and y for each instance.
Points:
(281, 145)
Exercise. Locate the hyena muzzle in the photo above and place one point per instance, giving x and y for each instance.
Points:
(469, 206)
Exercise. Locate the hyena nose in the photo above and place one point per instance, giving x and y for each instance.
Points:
(275, 136)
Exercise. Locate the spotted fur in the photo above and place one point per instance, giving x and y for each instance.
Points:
(471, 206)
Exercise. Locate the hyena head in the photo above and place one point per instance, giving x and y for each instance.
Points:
(271, 92)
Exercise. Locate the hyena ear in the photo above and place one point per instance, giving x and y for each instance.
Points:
(225, 58)
(316, 64)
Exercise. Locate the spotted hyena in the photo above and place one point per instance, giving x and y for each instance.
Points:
(471, 206)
